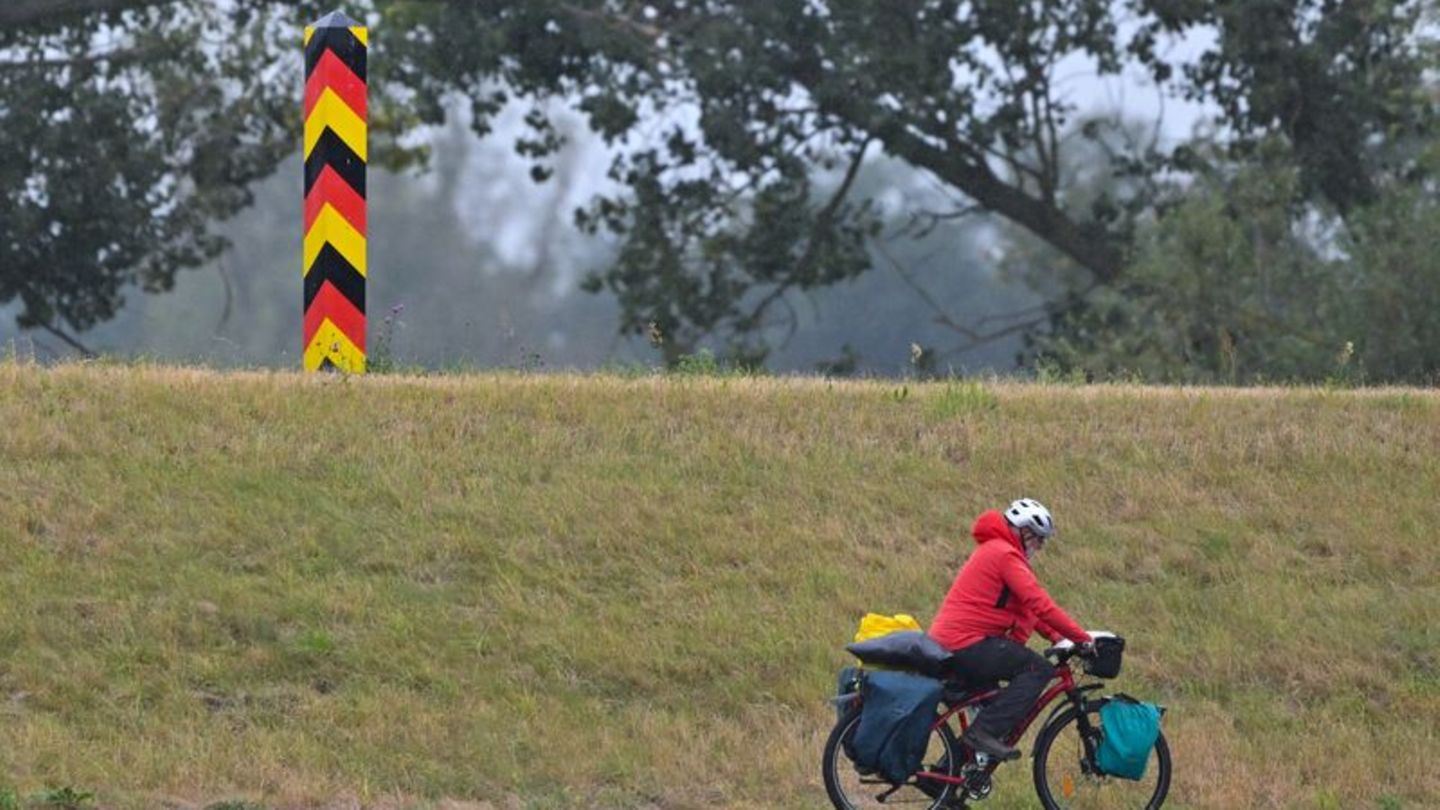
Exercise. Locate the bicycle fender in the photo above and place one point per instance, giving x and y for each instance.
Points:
(1062, 706)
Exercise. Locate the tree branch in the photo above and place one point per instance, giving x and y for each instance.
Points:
(991, 337)
(20, 13)
(924, 222)
(120, 56)
(620, 21)
(823, 220)
(229, 295)
(1091, 248)
(976, 339)
(826, 216)
(941, 316)
(70, 341)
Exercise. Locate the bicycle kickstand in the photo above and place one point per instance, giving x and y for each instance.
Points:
(887, 794)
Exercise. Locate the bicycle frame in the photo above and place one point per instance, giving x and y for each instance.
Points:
(1065, 687)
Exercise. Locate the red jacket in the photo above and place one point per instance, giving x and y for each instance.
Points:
(996, 594)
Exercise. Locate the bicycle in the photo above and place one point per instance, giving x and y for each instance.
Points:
(1064, 770)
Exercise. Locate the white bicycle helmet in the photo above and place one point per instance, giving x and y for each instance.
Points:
(1027, 513)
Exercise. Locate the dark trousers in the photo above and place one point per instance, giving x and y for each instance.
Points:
(1000, 659)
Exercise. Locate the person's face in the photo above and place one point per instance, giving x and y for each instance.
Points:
(1033, 542)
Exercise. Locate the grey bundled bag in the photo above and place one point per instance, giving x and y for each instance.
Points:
(910, 650)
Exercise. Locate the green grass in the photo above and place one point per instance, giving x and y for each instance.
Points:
(556, 591)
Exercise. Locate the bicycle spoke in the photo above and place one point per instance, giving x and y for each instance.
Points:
(1073, 786)
(870, 792)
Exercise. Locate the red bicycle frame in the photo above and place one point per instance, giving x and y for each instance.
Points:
(1066, 685)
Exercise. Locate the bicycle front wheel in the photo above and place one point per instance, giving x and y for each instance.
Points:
(1065, 781)
(851, 789)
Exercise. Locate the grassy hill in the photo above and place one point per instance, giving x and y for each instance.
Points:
(575, 591)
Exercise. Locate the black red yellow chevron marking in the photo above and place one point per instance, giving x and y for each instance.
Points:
(336, 153)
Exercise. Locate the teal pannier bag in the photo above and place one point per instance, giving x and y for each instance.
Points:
(1130, 730)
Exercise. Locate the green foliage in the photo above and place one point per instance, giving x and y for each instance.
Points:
(1222, 290)
(1394, 280)
(65, 798)
(9, 799)
(315, 642)
(1343, 84)
(380, 357)
(122, 151)
(235, 804)
(121, 159)
(1232, 287)
(961, 398)
(704, 363)
(1050, 371)
(719, 222)
(627, 369)
(700, 364)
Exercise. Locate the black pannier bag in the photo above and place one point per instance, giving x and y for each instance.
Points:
(895, 720)
(847, 688)
(911, 650)
(847, 691)
(1105, 663)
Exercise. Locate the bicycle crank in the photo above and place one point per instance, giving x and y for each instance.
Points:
(977, 784)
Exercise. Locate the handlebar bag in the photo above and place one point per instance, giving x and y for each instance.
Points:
(1105, 663)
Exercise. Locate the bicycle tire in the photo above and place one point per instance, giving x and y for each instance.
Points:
(1044, 748)
(835, 759)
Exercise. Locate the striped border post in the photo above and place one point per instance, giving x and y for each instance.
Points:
(336, 153)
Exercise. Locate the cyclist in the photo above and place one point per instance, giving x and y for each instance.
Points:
(989, 614)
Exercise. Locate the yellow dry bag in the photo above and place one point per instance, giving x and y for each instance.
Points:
(875, 625)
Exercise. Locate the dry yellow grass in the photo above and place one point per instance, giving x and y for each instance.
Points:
(560, 591)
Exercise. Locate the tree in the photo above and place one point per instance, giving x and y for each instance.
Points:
(30, 13)
(1341, 82)
(1232, 287)
(732, 116)
(1223, 289)
(740, 128)
(720, 218)
(128, 129)
(1296, 253)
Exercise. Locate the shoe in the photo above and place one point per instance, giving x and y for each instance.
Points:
(986, 744)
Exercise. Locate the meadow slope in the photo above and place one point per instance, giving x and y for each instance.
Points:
(588, 591)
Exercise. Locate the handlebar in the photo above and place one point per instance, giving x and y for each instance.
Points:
(1064, 652)
(1067, 649)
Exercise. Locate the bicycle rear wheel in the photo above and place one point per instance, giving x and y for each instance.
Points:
(849, 789)
(1064, 781)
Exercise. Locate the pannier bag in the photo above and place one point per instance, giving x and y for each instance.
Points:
(896, 714)
(908, 649)
(1105, 663)
(1130, 730)
(846, 686)
(847, 691)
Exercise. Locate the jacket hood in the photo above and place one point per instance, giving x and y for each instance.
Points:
(991, 527)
